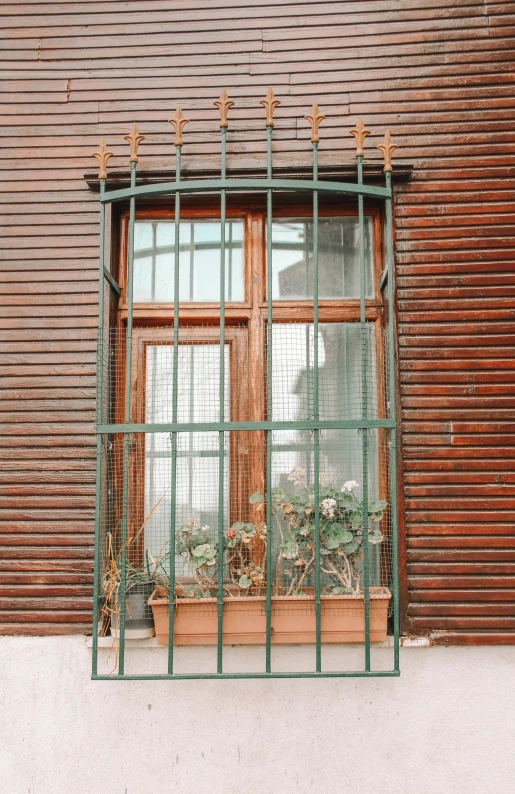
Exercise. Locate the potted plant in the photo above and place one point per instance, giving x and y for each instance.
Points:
(140, 581)
(196, 603)
(139, 584)
(341, 526)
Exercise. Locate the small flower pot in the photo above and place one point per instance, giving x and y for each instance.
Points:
(293, 619)
(139, 621)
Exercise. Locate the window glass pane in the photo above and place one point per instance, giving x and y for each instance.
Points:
(340, 398)
(199, 261)
(197, 456)
(339, 371)
(338, 258)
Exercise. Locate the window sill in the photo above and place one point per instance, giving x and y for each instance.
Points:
(107, 643)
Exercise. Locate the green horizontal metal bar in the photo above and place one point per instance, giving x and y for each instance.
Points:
(112, 281)
(204, 427)
(212, 676)
(207, 185)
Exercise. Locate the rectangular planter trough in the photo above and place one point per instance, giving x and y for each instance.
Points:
(293, 619)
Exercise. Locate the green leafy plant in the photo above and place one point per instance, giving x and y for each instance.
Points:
(150, 571)
(341, 527)
(200, 551)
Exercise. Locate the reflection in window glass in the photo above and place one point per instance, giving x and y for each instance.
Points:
(197, 456)
(340, 397)
(199, 261)
(338, 258)
(339, 371)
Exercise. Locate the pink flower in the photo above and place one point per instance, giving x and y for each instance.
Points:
(231, 533)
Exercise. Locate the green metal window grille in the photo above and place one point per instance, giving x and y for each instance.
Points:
(303, 531)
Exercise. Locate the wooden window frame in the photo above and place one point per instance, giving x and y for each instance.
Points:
(245, 329)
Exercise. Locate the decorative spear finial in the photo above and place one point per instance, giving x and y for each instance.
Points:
(269, 103)
(387, 148)
(102, 156)
(134, 139)
(315, 118)
(178, 122)
(223, 104)
(360, 132)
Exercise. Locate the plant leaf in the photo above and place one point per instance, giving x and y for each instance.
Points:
(378, 507)
(289, 550)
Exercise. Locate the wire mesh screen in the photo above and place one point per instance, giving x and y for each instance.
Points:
(246, 466)
(185, 524)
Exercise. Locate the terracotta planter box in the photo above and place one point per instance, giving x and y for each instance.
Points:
(293, 619)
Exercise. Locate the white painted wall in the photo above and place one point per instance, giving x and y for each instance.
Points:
(445, 727)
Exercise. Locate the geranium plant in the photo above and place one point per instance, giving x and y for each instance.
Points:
(341, 527)
(199, 549)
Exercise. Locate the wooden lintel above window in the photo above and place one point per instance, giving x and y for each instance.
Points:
(346, 172)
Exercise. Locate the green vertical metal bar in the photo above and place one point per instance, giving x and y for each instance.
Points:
(126, 435)
(308, 369)
(221, 435)
(192, 370)
(99, 418)
(269, 436)
(175, 398)
(229, 266)
(316, 416)
(307, 339)
(364, 413)
(191, 445)
(392, 415)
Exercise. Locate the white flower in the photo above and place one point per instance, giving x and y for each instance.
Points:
(350, 485)
(328, 506)
(205, 528)
(191, 522)
(323, 480)
(296, 475)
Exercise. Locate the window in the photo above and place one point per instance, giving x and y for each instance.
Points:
(246, 427)
(245, 395)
